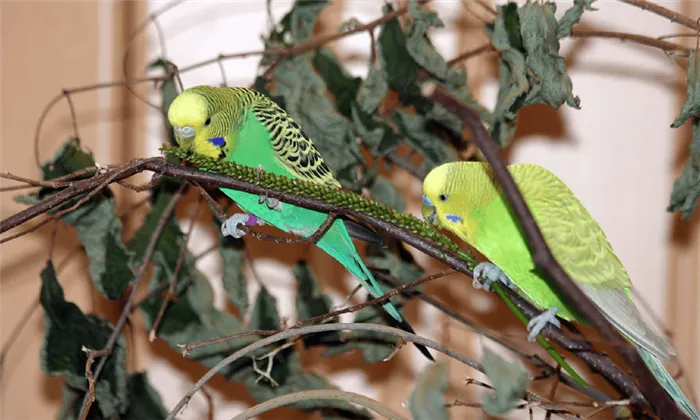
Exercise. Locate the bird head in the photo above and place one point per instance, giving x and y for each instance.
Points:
(434, 194)
(198, 123)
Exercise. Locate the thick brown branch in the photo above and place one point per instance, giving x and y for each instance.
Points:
(657, 396)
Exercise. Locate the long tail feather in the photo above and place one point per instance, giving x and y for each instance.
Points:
(667, 382)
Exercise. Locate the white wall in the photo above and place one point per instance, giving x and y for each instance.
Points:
(615, 152)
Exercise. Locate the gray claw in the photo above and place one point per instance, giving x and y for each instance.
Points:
(489, 272)
(537, 324)
(230, 227)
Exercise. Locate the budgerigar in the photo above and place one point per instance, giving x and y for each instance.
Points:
(246, 127)
(465, 198)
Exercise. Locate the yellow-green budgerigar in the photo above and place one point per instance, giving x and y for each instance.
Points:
(246, 127)
(465, 198)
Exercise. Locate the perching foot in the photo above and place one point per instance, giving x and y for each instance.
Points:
(260, 171)
(489, 272)
(537, 323)
(231, 226)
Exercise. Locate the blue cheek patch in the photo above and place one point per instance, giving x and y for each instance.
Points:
(453, 218)
(217, 141)
(427, 201)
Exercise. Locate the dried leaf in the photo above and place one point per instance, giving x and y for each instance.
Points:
(265, 315)
(98, 228)
(427, 398)
(144, 401)
(311, 302)
(384, 191)
(531, 71)
(509, 381)
(67, 331)
(686, 189)
(343, 86)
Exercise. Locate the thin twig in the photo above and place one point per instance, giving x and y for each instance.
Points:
(170, 293)
(542, 255)
(313, 329)
(140, 275)
(306, 46)
(664, 12)
(637, 39)
(91, 355)
(315, 395)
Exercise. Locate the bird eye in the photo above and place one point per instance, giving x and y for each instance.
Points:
(207, 122)
(442, 197)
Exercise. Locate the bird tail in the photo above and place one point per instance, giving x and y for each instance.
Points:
(667, 382)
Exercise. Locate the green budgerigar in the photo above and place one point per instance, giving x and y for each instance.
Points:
(246, 127)
(465, 198)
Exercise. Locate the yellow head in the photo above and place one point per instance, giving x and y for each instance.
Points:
(454, 193)
(201, 120)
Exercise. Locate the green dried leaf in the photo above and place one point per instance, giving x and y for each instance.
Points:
(232, 259)
(572, 16)
(144, 401)
(374, 88)
(415, 129)
(427, 397)
(265, 315)
(343, 86)
(307, 102)
(686, 189)
(98, 228)
(422, 50)
(509, 381)
(400, 67)
(296, 26)
(67, 330)
(400, 264)
(376, 134)
(384, 191)
(691, 106)
(531, 71)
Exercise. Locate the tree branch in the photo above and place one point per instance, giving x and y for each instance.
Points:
(312, 330)
(319, 394)
(657, 396)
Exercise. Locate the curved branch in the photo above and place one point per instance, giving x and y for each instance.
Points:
(319, 394)
(311, 330)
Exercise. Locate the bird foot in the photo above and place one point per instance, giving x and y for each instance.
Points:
(537, 324)
(489, 272)
(272, 203)
(230, 227)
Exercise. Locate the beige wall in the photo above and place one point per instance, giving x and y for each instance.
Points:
(47, 46)
(57, 53)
